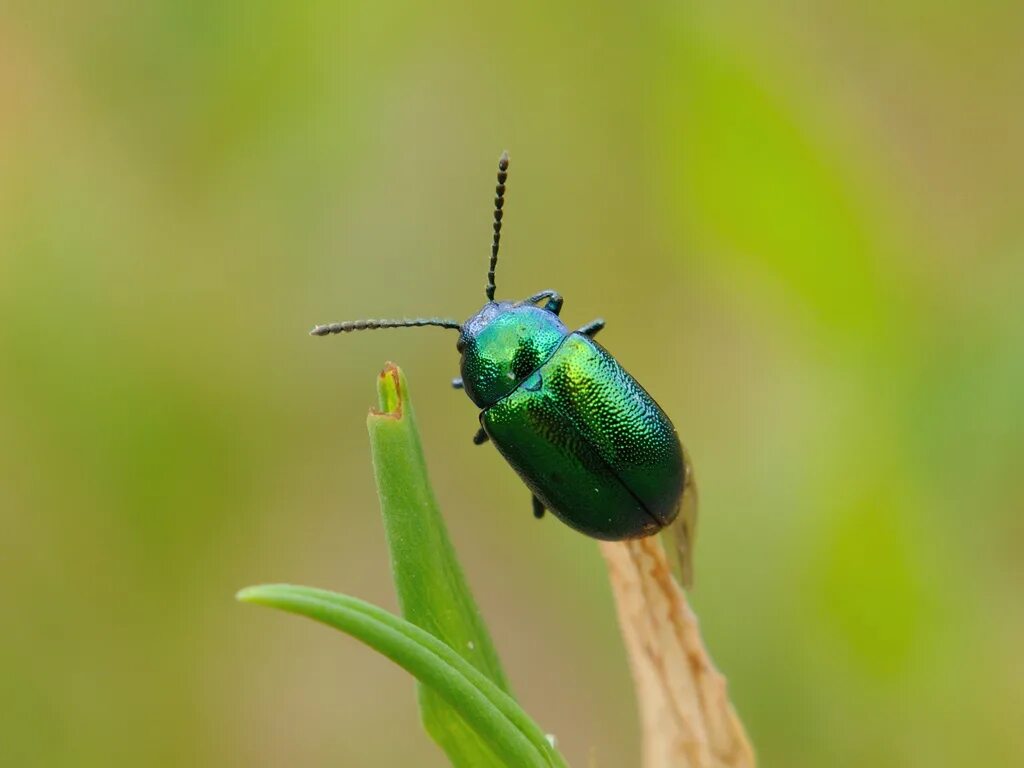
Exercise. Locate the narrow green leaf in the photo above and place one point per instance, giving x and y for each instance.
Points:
(514, 740)
(432, 590)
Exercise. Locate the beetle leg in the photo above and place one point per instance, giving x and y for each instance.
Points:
(480, 437)
(591, 328)
(554, 300)
(457, 383)
(538, 508)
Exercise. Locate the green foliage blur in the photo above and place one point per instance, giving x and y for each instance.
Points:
(803, 223)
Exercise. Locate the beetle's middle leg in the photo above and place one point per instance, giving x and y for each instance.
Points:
(480, 437)
(538, 508)
(457, 383)
(591, 328)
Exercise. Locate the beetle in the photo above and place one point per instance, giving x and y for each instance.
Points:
(589, 442)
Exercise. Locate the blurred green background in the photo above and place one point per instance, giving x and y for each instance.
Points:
(803, 223)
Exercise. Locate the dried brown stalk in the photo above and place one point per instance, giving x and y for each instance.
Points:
(687, 720)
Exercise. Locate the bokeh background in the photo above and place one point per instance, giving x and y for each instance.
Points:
(802, 221)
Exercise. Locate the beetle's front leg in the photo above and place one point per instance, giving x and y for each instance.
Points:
(480, 437)
(457, 383)
(554, 300)
(591, 328)
(538, 508)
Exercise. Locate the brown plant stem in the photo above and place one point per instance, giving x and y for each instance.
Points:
(687, 720)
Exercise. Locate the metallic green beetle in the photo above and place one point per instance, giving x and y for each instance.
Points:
(589, 442)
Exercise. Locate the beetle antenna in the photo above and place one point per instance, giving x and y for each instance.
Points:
(499, 202)
(370, 325)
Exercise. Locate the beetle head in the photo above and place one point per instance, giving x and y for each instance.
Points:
(502, 345)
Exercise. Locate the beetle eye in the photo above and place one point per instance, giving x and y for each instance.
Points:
(460, 344)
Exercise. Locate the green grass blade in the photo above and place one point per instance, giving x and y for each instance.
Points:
(432, 590)
(511, 737)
